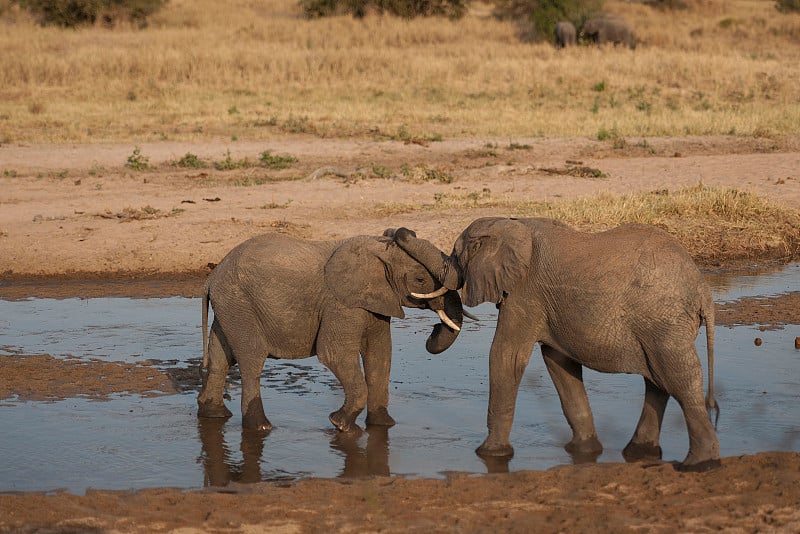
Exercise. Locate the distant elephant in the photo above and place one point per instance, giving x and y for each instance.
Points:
(609, 29)
(276, 296)
(565, 34)
(628, 300)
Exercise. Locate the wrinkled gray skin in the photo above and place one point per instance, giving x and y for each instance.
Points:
(280, 297)
(609, 29)
(565, 34)
(628, 300)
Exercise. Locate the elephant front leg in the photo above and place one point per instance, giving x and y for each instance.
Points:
(376, 353)
(506, 367)
(567, 376)
(348, 372)
(645, 441)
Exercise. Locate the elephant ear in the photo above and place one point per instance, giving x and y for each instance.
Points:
(357, 275)
(498, 257)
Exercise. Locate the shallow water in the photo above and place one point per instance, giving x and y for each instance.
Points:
(439, 402)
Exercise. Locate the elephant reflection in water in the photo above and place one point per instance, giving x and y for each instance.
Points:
(220, 469)
(371, 459)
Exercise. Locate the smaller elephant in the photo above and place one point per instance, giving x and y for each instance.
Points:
(276, 296)
(609, 29)
(565, 34)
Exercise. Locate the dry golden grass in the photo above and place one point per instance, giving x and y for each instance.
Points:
(714, 224)
(255, 70)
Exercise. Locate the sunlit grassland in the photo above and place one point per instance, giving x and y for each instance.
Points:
(713, 223)
(256, 70)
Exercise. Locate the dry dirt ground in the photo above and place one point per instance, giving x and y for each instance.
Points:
(73, 215)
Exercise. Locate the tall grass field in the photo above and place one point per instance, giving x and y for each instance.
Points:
(247, 69)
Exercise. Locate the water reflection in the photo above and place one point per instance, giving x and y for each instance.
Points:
(219, 466)
(365, 453)
(495, 465)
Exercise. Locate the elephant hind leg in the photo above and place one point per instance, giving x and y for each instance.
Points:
(644, 444)
(251, 362)
(220, 359)
(567, 376)
(684, 382)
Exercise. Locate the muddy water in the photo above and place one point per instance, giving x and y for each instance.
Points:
(439, 402)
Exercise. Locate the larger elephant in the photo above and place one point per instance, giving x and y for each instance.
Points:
(609, 29)
(627, 300)
(276, 296)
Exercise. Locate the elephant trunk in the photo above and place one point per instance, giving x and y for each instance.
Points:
(443, 335)
(439, 264)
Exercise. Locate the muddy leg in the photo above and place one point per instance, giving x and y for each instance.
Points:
(645, 441)
(253, 416)
(685, 384)
(506, 366)
(567, 377)
(220, 358)
(376, 352)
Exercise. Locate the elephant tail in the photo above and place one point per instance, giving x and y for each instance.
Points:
(707, 314)
(204, 365)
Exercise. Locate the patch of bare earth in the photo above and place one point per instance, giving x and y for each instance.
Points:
(77, 210)
(758, 493)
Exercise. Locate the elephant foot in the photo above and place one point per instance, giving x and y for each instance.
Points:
(495, 450)
(699, 467)
(634, 452)
(585, 446)
(343, 421)
(212, 409)
(380, 417)
(254, 418)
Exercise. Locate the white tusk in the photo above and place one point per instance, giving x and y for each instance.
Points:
(438, 293)
(447, 320)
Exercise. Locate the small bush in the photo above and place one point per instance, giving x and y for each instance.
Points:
(402, 8)
(137, 161)
(190, 161)
(230, 164)
(276, 162)
(72, 13)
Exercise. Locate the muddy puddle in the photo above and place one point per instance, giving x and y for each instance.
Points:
(120, 439)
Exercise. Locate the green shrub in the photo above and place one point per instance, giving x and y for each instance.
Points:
(537, 18)
(788, 6)
(276, 162)
(72, 13)
(401, 8)
(190, 161)
(137, 161)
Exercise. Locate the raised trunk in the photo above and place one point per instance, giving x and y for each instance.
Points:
(437, 262)
(443, 336)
